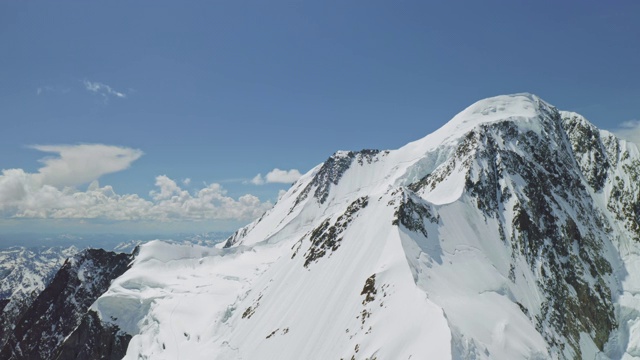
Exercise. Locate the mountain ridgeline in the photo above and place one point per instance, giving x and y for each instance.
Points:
(61, 307)
(512, 232)
(24, 273)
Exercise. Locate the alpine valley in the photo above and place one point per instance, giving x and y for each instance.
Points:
(512, 232)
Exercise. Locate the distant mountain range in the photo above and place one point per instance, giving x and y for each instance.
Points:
(25, 272)
(98, 241)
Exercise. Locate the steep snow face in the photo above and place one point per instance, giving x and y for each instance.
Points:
(374, 171)
(274, 301)
(612, 170)
(495, 237)
(547, 236)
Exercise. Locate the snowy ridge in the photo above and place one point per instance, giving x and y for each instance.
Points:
(57, 310)
(499, 236)
(25, 272)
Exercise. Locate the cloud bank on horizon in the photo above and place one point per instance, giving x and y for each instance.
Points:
(52, 193)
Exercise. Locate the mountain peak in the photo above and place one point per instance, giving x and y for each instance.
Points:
(522, 104)
(522, 108)
(499, 236)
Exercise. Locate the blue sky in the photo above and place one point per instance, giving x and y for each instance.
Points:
(143, 97)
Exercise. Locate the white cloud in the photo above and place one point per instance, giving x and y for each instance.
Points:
(257, 180)
(102, 89)
(186, 182)
(629, 130)
(283, 176)
(277, 176)
(80, 164)
(51, 193)
(210, 202)
(19, 198)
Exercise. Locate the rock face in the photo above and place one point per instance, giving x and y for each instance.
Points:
(59, 309)
(513, 232)
(93, 340)
(24, 273)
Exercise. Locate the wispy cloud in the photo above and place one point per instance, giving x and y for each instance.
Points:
(51, 89)
(52, 192)
(629, 130)
(277, 176)
(42, 89)
(101, 89)
(104, 90)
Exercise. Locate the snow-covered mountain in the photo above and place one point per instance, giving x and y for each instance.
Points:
(59, 309)
(513, 232)
(24, 273)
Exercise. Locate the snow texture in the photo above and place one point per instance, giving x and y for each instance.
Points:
(510, 233)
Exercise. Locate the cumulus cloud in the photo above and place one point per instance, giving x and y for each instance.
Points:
(257, 180)
(21, 199)
(102, 89)
(277, 176)
(80, 164)
(283, 176)
(52, 192)
(210, 202)
(629, 130)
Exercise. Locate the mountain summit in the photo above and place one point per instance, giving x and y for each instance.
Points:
(512, 232)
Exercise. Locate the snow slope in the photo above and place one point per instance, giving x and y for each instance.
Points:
(499, 236)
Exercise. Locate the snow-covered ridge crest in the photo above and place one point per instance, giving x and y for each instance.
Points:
(492, 238)
(347, 175)
(524, 109)
(517, 106)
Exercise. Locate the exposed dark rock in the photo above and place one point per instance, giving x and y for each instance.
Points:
(588, 150)
(93, 340)
(59, 309)
(624, 199)
(24, 273)
(248, 312)
(553, 215)
(413, 214)
(369, 290)
(326, 237)
(332, 170)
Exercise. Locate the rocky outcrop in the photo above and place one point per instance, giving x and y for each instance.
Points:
(93, 340)
(59, 309)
